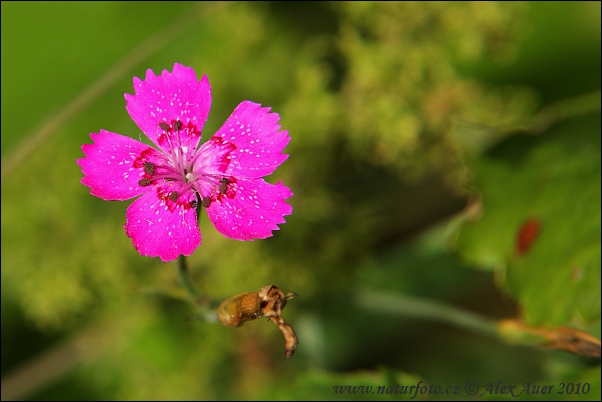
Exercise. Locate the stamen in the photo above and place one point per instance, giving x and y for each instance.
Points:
(223, 186)
(193, 203)
(206, 202)
(149, 168)
(144, 182)
(164, 126)
(177, 125)
(173, 196)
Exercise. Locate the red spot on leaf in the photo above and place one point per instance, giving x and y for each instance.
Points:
(527, 234)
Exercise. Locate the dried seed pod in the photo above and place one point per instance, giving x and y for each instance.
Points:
(240, 308)
(268, 302)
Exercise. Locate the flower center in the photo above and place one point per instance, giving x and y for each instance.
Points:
(179, 165)
(177, 145)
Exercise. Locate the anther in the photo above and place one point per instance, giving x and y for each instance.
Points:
(177, 125)
(144, 182)
(164, 126)
(149, 168)
(206, 201)
(193, 204)
(173, 196)
(224, 185)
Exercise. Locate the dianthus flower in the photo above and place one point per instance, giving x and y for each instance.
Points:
(224, 174)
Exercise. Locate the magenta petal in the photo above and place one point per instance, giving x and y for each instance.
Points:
(161, 228)
(254, 211)
(168, 98)
(254, 132)
(213, 156)
(109, 169)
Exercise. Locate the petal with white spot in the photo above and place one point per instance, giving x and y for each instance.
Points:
(254, 132)
(173, 96)
(109, 166)
(161, 228)
(253, 211)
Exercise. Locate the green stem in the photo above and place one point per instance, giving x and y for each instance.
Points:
(405, 305)
(92, 93)
(561, 110)
(196, 297)
(187, 283)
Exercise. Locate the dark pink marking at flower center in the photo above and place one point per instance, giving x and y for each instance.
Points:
(181, 167)
(225, 159)
(225, 189)
(189, 130)
(173, 200)
(143, 158)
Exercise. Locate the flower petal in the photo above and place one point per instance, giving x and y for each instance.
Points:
(110, 167)
(162, 228)
(171, 97)
(213, 157)
(251, 210)
(254, 132)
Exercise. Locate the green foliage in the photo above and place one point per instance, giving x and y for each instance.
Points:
(398, 112)
(554, 179)
(400, 93)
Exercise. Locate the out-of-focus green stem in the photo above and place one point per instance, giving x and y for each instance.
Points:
(478, 138)
(400, 304)
(561, 110)
(194, 295)
(509, 330)
(187, 283)
(89, 95)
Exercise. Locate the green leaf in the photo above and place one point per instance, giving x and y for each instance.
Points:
(552, 184)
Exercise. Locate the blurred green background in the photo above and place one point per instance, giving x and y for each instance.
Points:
(424, 135)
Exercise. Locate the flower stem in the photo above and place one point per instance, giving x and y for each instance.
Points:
(404, 305)
(201, 303)
(512, 331)
(187, 283)
(561, 110)
(88, 96)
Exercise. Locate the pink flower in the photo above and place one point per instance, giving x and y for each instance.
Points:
(224, 174)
